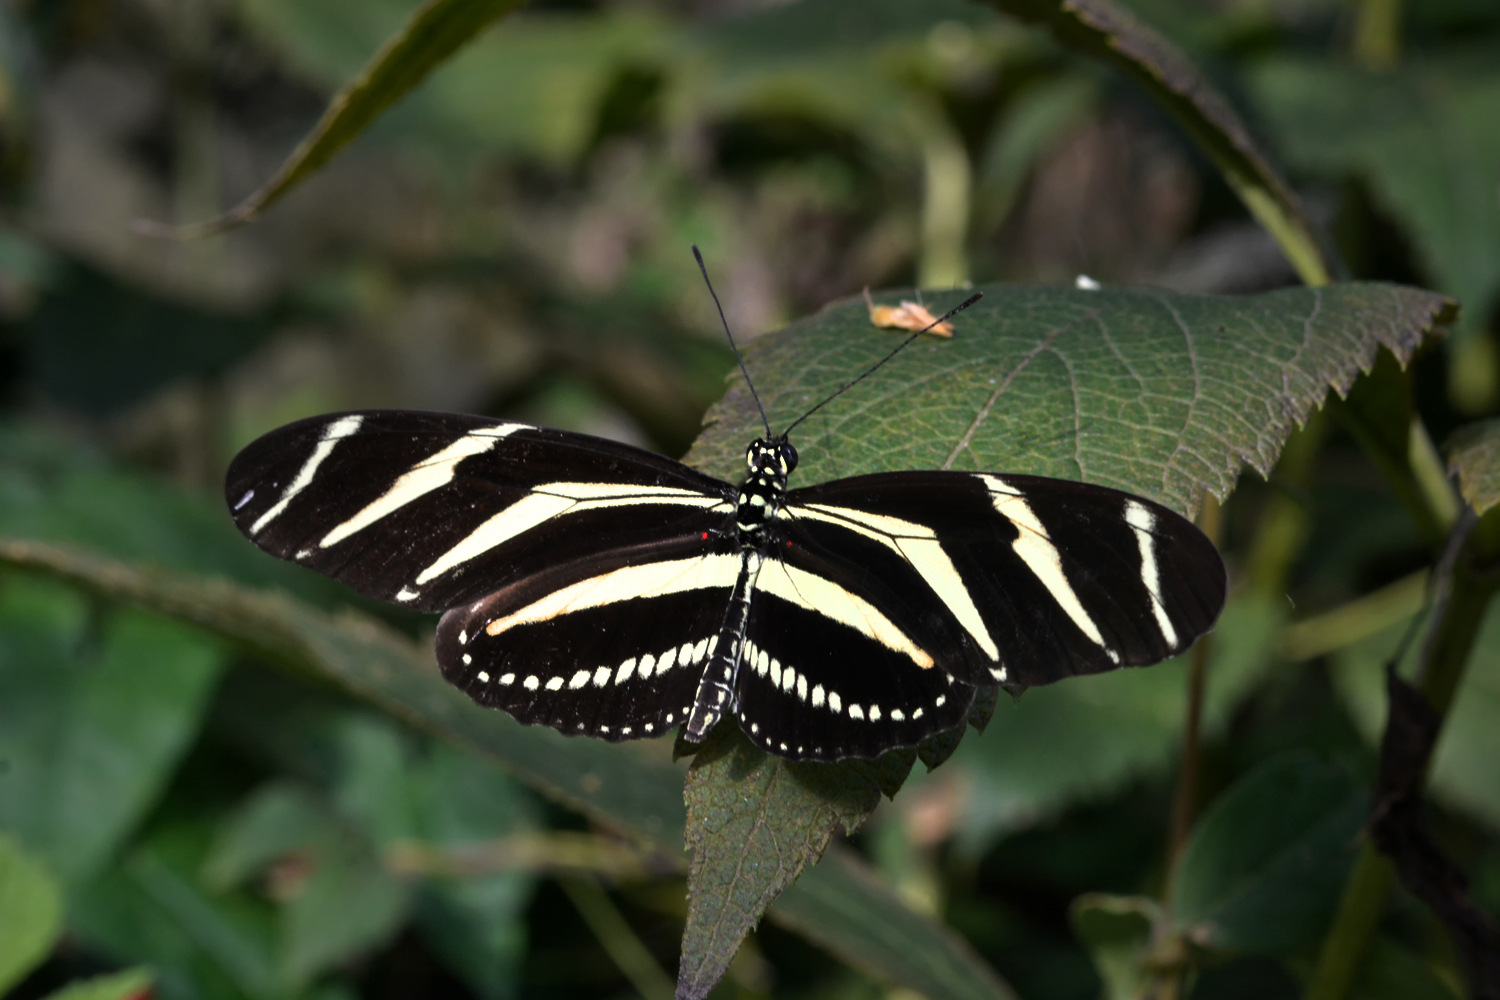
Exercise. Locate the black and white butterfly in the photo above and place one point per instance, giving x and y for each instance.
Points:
(603, 590)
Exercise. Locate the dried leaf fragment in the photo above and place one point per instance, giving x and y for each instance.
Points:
(907, 316)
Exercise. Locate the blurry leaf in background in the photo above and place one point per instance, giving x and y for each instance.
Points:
(132, 984)
(154, 909)
(1118, 932)
(94, 716)
(97, 345)
(1464, 775)
(431, 36)
(843, 906)
(1264, 867)
(1425, 141)
(633, 787)
(1062, 744)
(58, 490)
(1112, 34)
(1392, 971)
(1474, 457)
(1038, 118)
(31, 909)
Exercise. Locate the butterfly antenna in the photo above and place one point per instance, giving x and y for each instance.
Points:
(966, 303)
(763, 419)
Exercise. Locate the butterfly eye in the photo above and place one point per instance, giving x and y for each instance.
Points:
(788, 456)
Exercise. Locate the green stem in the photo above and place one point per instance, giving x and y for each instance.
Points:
(947, 193)
(1284, 520)
(1377, 34)
(1185, 801)
(615, 935)
(1439, 675)
(1357, 917)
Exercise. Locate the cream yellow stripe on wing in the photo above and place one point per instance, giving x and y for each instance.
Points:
(430, 474)
(1143, 522)
(549, 501)
(656, 579)
(808, 590)
(1036, 550)
(332, 435)
(919, 546)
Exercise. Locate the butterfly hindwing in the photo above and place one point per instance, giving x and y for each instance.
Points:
(436, 510)
(615, 651)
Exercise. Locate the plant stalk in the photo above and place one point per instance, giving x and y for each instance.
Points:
(617, 939)
(1456, 622)
(1185, 800)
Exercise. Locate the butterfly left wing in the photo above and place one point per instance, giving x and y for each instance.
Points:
(586, 579)
(435, 510)
(1017, 580)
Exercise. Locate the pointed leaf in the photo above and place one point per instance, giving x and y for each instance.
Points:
(30, 911)
(1423, 137)
(1108, 32)
(92, 725)
(132, 984)
(1265, 865)
(436, 31)
(1474, 457)
(754, 822)
(1118, 932)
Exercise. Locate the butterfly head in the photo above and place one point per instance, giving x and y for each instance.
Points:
(774, 459)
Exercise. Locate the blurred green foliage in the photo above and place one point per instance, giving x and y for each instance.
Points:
(178, 809)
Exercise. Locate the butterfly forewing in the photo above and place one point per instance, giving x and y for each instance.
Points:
(437, 510)
(1044, 578)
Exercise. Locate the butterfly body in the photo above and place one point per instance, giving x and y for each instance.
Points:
(600, 589)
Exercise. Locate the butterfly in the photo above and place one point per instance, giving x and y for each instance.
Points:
(602, 590)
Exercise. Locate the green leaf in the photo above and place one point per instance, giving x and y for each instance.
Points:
(348, 907)
(31, 910)
(127, 985)
(633, 788)
(754, 822)
(56, 490)
(1066, 743)
(1118, 932)
(1265, 865)
(1424, 139)
(1110, 33)
(1391, 971)
(1474, 457)
(1161, 394)
(434, 33)
(91, 725)
(844, 906)
(153, 909)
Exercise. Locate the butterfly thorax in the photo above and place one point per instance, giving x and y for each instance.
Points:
(763, 489)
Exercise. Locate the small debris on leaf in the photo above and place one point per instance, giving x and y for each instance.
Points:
(907, 316)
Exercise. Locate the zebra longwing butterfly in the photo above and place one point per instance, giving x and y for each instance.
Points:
(603, 590)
